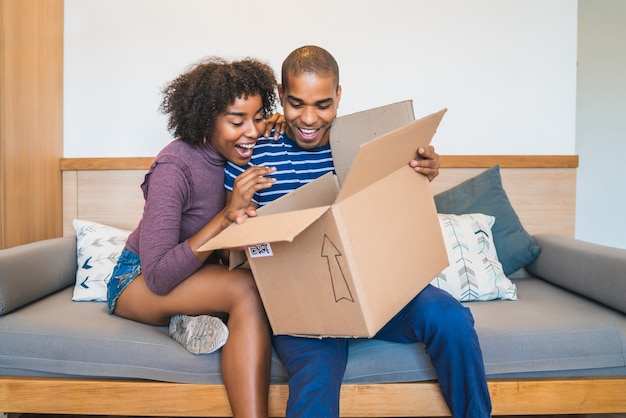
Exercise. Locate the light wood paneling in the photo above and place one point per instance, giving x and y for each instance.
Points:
(122, 163)
(509, 161)
(543, 198)
(106, 190)
(447, 161)
(110, 197)
(31, 120)
(421, 399)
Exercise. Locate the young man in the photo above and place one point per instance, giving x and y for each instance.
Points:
(310, 93)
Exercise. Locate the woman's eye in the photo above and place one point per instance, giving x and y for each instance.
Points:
(237, 124)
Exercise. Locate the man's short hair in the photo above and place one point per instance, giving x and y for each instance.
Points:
(310, 59)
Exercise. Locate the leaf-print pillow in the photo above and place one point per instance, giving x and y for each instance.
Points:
(97, 250)
(474, 273)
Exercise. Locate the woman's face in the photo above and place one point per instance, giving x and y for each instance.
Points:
(238, 128)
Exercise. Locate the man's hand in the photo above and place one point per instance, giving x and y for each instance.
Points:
(429, 165)
(275, 122)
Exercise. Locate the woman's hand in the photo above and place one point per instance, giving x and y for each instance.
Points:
(238, 206)
(237, 216)
(428, 165)
(246, 185)
(275, 122)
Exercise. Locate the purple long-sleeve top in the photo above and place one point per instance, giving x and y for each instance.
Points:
(183, 190)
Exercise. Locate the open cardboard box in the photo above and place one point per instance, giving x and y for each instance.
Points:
(341, 261)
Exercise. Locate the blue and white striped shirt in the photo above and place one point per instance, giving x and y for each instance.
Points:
(295, 166)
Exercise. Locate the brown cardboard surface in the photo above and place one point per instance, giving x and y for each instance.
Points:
(349, 132)
(318, 193)
(321, 192)
(269, 228)
(395, 249)
(380, 157)
(329, 265)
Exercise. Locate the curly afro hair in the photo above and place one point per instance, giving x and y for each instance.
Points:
(195, 98)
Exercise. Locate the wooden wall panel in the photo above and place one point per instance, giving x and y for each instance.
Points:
(543, 192)
(543, 198)
(110, 197)
(31, 120)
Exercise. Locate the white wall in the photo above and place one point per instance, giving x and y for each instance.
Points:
(601, 122)
(506, 70)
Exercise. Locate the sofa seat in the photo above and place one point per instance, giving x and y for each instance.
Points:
(548, 332)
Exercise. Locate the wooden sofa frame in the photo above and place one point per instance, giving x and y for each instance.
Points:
(542, 190)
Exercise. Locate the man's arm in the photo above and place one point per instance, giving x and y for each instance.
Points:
(428, 165)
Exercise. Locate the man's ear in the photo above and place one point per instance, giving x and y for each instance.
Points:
(338, 94)
(281, 94)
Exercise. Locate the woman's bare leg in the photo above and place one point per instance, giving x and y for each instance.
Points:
(246, 355)
(213, 290)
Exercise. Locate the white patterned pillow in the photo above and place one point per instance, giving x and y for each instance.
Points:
(97, 249)
(474, 273)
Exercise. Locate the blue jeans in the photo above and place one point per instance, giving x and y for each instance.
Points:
(126, 270)
(316, 366)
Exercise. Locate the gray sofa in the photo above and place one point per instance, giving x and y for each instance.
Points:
(569, 322)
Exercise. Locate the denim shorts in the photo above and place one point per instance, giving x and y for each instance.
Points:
(126, 270)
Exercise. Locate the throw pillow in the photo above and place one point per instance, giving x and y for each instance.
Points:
(485, 194)
(474, 273)
(97, 249)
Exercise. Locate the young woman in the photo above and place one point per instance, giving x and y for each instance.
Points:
(217, 110)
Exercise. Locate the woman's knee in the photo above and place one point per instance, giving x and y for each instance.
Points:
(244, 284)
(245, 300)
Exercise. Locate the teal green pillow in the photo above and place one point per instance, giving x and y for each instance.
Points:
(484, 194)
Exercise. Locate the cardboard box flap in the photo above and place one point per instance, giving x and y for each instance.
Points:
(348, 132)
(387, 153)
(320, 192)
(268, 228)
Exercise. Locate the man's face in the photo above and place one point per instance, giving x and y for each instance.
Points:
(310, 104)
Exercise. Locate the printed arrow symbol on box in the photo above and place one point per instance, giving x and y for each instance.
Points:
(337, 278)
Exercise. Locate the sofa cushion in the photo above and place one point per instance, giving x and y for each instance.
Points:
(592, 270)
(474, 273)
(24, 280)
(550, 329)
(56, 336)
(484, 194)
(98, 247)
(547, 330)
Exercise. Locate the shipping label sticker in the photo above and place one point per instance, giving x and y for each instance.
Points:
(260, 250)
